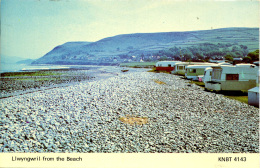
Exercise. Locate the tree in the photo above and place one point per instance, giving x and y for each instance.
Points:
(235, 48)
(186, 57)
(176, 57)
(163, 58)
(254, 55)
(247, 59)
(243, 47)
(229, 57)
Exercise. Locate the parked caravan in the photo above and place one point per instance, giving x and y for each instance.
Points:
(180, 67)
(165, 65)
(253, 94)
(208, 72)
(193, 71)
(233, 78)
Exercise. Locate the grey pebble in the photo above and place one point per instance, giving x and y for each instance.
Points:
(85, 118)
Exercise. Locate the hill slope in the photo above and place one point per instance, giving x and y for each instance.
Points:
(121, 48)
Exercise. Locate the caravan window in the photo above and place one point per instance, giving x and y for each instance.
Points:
(232, 76)
(180, 67)
(216, 74)
(192, 70)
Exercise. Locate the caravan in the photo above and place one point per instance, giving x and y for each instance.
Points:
(208, 72)
(229, 77)
(193, 71)
(165, 65)
(253, 94)
(180, 67)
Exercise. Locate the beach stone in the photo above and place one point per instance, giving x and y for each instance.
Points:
(84, 117)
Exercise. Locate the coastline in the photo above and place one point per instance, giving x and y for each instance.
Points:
(28, 81)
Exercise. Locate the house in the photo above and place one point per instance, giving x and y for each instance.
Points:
(237, 59)
(217, 61)
(232, 78)
(165, 65)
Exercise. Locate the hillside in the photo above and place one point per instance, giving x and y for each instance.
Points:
(133, 47)
(10, 59)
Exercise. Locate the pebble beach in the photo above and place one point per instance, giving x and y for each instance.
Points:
(94, 116)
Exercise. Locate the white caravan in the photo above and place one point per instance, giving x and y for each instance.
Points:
(229, 77)
(179, 68)
(166, 63)
(208, 71)
(193, 71)
(253, 94)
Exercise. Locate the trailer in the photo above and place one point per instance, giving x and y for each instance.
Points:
(165, 65)
(253, 94)
(193, 71)
(208, 72)
(180, 67)
(231, 78)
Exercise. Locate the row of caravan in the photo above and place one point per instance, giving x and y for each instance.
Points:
(177, 67)
(219, 77)
(230, 77)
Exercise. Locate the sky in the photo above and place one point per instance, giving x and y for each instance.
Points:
(32, 28)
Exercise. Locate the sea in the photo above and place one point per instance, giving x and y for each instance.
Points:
(90, 68)
(28, 67)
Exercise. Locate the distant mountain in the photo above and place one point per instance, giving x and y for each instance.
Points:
(133, 47)
(26, 61)
(10, 59)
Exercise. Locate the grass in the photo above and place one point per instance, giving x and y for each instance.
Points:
(36, 73)
(243, 99)
(138, 64)
(198, 83)
(36, 79)
(155, 71)
(134, 120)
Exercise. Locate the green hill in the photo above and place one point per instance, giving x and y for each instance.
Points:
(134, 47)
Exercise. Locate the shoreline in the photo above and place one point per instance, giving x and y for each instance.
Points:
(23, 82)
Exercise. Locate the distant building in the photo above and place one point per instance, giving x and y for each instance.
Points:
(237, 59)
(217, 61)
(256, 63)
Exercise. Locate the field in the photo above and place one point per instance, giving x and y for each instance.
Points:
(138, 64)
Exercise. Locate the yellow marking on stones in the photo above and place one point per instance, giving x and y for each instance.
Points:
(159, 82)
(134, 120)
